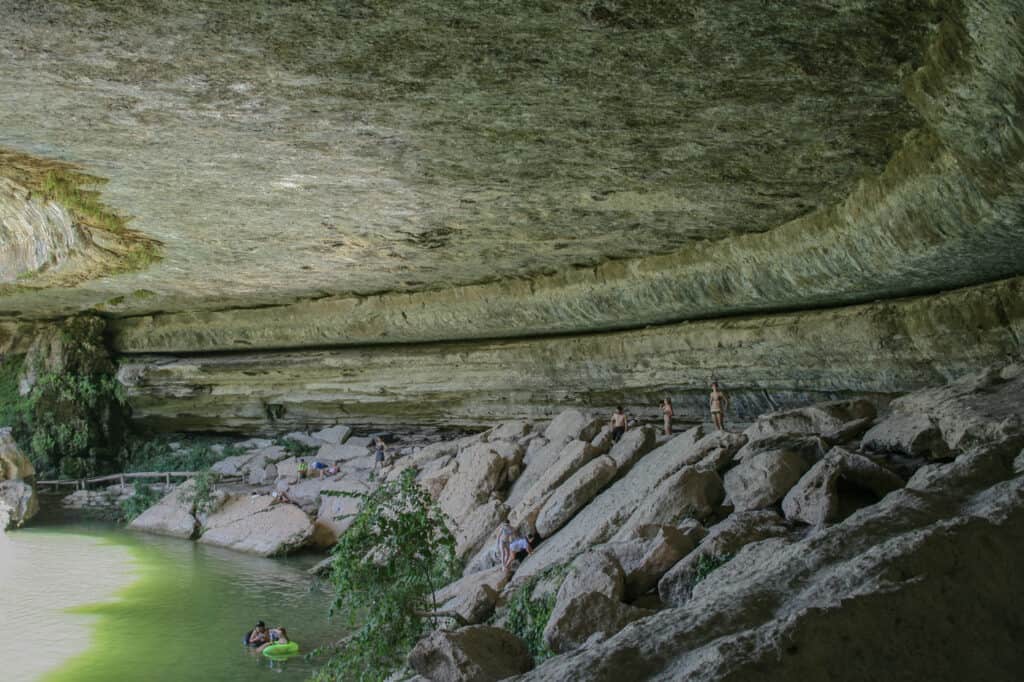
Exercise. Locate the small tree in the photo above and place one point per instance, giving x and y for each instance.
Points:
(387, 566)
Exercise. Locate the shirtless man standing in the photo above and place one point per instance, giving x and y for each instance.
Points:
(667, 414)
(718, 402)
(618, 424)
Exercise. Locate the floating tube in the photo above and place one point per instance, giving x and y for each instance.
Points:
(275, 650)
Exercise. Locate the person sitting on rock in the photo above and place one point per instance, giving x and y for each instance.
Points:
(302, 468)
(619, 420)
(258, 636)
(280, 498)
(319, 467)
(521, 547)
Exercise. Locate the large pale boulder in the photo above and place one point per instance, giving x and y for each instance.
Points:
(337, 512)
(435, 478)
(571, 457)
(172, 515)
(18, 501)
(914, 435)
(835, 487)
(510, 431)
(651, 552)
(723, 540)
(601, 519)
(334, 435)
(763, 479)
(476, 653)
(809, 446)
(231, 466)
(593, 571)
(976, 410)
(691, 493)
(576, 620)
(573, 425)
(474, 596)
(475, 529)
(633, 445)
(479, 474)
(254, 524)
(339, 452)
(573, 494)
(821, 418)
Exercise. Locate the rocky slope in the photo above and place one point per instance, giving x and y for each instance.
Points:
(18, 501)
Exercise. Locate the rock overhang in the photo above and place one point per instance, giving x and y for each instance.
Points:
(287, 153)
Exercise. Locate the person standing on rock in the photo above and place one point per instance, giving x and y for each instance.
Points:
(719, 402)
(379, 453)
(667, 414)
(618, 424)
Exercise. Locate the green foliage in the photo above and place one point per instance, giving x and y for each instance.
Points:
(201, 497)
(295, 448)
(155, 454)
(706, 564)
(11, 403)
(387, 566)
(527, 617)
(143, 498)
(67, 189)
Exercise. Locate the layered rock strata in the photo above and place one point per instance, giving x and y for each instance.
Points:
(765, 363)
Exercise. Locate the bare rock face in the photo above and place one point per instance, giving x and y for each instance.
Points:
(810, 447)
(478, 653)
(172, 515)
(478, 475)
(336, 513)
(836, 486)
(253, 524)
(594, 571)
(570, 458)
(511, 431)
(722, 540)
(573, 494)
(691, 493)
(914, 435)
(572, 425)
(933, 568)
(18, 502)
(763, 479)
(473, 531)
(578, 619)
(333, 435)
(634, 444)
(651, 552)
(822, 418)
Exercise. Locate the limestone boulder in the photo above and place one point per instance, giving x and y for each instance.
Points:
(337, 512)
(435, 478)
(510, 431)
(763, 479)
(821, 418)
(691, 493)
(573, 425)
(231, 466)
(651, 552)
(848, 432)
(980, 466)
(340, 452)
(18, 501)
(914, 435)
(478, 653)
(723, 540)
(809, 446)
(571, 457)
(633, 445)
(573, 494)
(303, 438)
(255, 525)
(256, 476)
(836, 486)
(476, 529)
(575, 621)
(977, 409)
(172, 515)
(600, 520)
(479, 474)
(333, 435)
(593, 571)
(473, 597)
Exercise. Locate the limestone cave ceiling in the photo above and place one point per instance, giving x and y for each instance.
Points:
(286, 151)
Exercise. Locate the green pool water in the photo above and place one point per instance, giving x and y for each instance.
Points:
(85, 601)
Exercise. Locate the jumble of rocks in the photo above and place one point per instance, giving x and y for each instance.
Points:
(18, 501)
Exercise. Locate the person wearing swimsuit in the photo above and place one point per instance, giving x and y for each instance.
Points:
(667, 414)
(618, 424)
(719, 402)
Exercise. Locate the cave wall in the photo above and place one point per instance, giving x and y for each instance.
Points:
(764, 362)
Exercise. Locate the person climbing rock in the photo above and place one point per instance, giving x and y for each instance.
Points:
(718, 403)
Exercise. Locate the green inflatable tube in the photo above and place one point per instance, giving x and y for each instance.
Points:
(288, 649)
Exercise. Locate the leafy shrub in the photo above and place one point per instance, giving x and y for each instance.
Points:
(155, 454)
(527, 617)
(201, 498)
(142, 499)
(387, 566)
(295, 448)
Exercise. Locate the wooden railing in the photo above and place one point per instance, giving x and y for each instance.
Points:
(83, 483)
